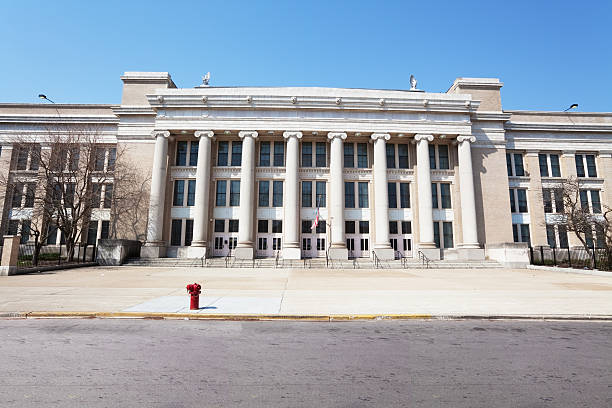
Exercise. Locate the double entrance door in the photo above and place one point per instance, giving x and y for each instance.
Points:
(314, 245)
(224, 243)
(358, 245)
(268, 245)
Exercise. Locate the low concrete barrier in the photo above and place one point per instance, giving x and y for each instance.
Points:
(116, 251)
(510, 254)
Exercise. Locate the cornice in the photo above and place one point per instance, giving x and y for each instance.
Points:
(558, 127)
(133, 110)
(54, 119)
(490, 116)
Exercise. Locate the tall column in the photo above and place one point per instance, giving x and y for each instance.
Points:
(246, 240)
(200, 219)
(291, 241)
(426, 233)
(470, 245)
(338, 248)
(155, 247)
(382, 246)
(535, 203)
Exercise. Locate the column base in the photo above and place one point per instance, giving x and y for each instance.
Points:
(292, 253)
(385, 254)
(153, 250)
(197, 251)
(8, 270)
(470, 253)
(338, 253)
(431, 253)
(244, 253)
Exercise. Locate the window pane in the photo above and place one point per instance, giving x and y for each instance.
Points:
(306, 193)
(362, 155)
(321, 227)
(554, 164)
(563, 242)
(436, 226)
(522, 200)
(445, 195)
(443, 157)
(393, 227)
(543, 165)
(221, 191)
(390, 156)
(515, 234)
(51, 234)
(100, 155)
(364, 227)
(262, 225)
(595, 203)
(181, 153)
(277, 194)
(579, 166)
(392, 195)
(25, 231)
(509, 164)
(175, 235)
(518, 165)
(96, 192)
(234, 193)
(30, 195)
(525, 233)
(236, 153)
(321, 155)
(432, 156)
(447, 230)
(434, 195)
(104, 230)
(349, 195)
(590, 159)
(108, 196)
(363, 194)
(402, 155)
(264, 154)
(179, 191)
(191, 185)
(306, 224)
(349, 160)
(188, 232)
(22, 158)
(512, 204)
(584, 200)
(234, 225)
(279, 154)
(406, 227)
(558, 200)
(193, 153)
(404, 195)
(321, 194)
(264, 193)
(222, 153)
(219, 225)
(546, 197)
(17, 194)
(306, 154)
(550, 236)
(92, 232)
(349, 227)
(277, 226)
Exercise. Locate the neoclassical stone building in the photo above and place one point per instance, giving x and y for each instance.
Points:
(305, 172)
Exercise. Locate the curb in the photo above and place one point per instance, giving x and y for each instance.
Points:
(310, 318)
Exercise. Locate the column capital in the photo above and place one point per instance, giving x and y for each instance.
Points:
(247, 133)
(466, 138)
(419, 137)
(332, 135)
(384, 136)
(157, 133)
(288, 135)
(205, 133)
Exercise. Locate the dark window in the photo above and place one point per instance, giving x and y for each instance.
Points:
(181, 153)
(112, 158)
(512, 205)
(436, 225)
(444, 163)
(349, 155)
(13, 227)
(264, 194)
(547, 199)
(234, 193)
(543, 161)
(69, 195)
(306, 193)
(406, 227)
(434, 195)
(193, 153)
(191, 187)
(515, 233)
(104, 231)
(445, 195)
(404, 195)
(364, 227)
(262, 225)
(349, 227)
(558, 200)
(519, 170)
(447, 231)
(188, 232)
(222, 152)
(393, 227)
(363, 195)
(522, 200)
(34, 157)
(525, 233)
(306, 154)
(563, 242)
(277, 194)
(74, 160)
(236, 153)
(30, 195)
(321, 227)
(179, 192)
(392, 195)
(362, 155)
(264, 154)
(96, 193)
(595, 202)
(25, 231)
(279, 154)
(108, 195)
(554, 165)
(92, 233)
(233, 225)
(509, 166)
(219, 225)
(221, 192)
(321, 194)
(17, 194)
(592, 170)
(432, 156)
(22, 158)
(349, 195)
(51, 234)
(176, 232)
(550, 236)
(99, 159)
(321, 155)
(579, 166)
(306, 226)
(402, 156)
(390, 156)
(277, 226)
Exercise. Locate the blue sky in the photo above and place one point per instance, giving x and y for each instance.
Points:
(548, 54)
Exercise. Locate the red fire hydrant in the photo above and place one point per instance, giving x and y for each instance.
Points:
(194, 290)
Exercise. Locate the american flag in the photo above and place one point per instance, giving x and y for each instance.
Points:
(316, 221)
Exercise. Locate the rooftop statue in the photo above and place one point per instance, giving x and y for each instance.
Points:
(205, 79)
(413, 82)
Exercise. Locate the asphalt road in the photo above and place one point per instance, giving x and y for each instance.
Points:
(146, 363)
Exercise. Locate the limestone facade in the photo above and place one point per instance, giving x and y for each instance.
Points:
(313, 172)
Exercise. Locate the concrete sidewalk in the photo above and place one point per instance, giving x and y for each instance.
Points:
(140, 291)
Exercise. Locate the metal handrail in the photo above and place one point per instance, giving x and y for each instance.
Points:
(424, 258)
(376, 260)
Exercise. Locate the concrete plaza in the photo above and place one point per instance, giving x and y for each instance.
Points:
(312, 292)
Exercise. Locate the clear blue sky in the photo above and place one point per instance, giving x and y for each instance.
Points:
(549, 54)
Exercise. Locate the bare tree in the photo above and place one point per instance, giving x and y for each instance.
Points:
(588, 223)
